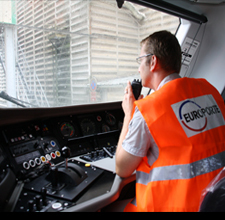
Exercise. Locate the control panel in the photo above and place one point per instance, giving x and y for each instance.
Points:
(99, 154)
(37, 160)
(58, 188)
(29, 154)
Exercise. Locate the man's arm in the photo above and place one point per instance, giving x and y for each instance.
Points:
(126, 163)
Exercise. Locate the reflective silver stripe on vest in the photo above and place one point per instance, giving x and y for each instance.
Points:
(186, 171)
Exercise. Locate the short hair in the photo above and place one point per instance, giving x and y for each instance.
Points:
(166, 48)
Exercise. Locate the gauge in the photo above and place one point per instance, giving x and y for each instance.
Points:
(110, 119)
(87, 126)
(105, 128)
(67, 129)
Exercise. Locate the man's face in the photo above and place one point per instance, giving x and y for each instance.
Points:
(144, 69)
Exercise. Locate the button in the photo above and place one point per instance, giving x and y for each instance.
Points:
(43, 159)
(48, 157)
(57, 205)
(58, 154)
(53, 155)
(26, 165)
(87, 165)
(66, 204)
(38, 161)
(53, 144)
(32, 163)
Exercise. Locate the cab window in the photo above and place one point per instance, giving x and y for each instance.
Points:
(62, 53)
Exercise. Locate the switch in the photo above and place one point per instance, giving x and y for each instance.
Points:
(38, 202)
(43, 194)
(107, 152)
(92, 154)
(36, 145)
(45, 145)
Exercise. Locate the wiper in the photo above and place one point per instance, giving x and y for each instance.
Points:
(18, 102)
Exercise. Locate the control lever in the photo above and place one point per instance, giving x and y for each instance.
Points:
(54, 176)
(66, 153)
(137, 87)
(70, 174)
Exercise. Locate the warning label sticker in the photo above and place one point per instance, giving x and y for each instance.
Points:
(189, 49)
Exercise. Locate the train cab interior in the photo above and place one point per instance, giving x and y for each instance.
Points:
(64, 66)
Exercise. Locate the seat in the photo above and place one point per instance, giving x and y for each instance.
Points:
(213, 197)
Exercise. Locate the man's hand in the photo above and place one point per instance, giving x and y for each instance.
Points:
(125, 162)
(128, 101)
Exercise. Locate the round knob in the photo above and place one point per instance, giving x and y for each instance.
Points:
(66, 152)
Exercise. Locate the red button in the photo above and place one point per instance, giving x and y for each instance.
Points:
(53, 155)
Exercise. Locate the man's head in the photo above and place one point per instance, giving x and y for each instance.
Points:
(166, 48)
(160, 56)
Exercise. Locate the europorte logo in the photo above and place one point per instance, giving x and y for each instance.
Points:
(198, 114)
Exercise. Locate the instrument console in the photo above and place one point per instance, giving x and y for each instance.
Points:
(47, 163)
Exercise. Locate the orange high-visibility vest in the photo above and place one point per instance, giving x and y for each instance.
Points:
(186, 120)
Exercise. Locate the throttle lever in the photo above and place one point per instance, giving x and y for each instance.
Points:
(66, 153)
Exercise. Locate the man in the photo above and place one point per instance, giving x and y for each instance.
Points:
(173, 138)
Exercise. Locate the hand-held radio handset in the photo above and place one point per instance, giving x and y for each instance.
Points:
(137, 87)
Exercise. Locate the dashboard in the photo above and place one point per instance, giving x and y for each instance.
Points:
(60, 159)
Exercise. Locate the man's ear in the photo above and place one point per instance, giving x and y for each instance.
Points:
(153, 63)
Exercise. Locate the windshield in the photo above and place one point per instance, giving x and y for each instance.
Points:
(61, 53)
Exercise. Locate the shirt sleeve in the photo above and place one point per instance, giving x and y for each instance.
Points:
(138, 138)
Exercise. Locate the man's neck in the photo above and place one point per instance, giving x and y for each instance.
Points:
(159, 77)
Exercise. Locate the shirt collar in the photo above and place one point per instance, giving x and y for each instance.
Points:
(168, 79)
